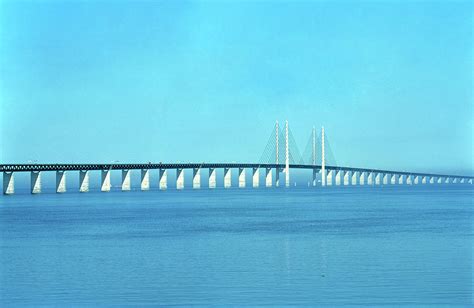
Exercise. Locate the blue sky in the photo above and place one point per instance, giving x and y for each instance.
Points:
(171, 81)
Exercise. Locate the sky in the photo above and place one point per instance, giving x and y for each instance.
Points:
(195, 81)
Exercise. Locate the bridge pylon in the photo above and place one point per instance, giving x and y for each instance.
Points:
(287, 157)
(323, 159)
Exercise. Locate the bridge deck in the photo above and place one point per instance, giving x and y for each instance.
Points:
(84, 167)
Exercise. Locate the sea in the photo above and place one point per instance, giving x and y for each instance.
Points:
(361, 246)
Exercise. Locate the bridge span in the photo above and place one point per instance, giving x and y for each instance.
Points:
(329, 175)
(321, 163)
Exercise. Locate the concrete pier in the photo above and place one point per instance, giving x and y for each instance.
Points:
(241, 177)
(105, 180)
(402, 179)
(255, 177)
(163, 179)
(315, 173)
(424, 180)
(416, 180)
(8, 183)
(145, 179)
(60, 181)
(227, 177)
(385, 179)
(35, 182)
(268, 177)
(329, 178)
(378, 178)
(126, 186)
(83, 181)
(179, 178)
(355, 176)
(370, 178)
(338, 177)
(347, 175)
(393, 179)
(432, 180)
(196, 178)
(409, 179)
(212, 178)
(362, 179)
(440, 180)
(277, 177)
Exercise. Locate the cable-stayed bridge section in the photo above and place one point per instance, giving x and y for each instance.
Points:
(280, 155)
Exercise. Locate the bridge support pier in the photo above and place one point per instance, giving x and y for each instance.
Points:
(105, 183)
(179, 178)
(370, 178)
(447, 180)
(346, 178)
(83, 181)
(329, 177)
(385, 179)
(277, 177)
(126, 180)
(439, 180)
(393, 179)
(378, 177)
(462, 181)
(432, 179)
(424, 180)
(339, 177)
(241, 177)
(163, 175)
(196, 178)
(60, 181)
(401, 179)
(409, 179)
(315, 172)
(268, 177)
(8, 183)
(355, 176)
(255, 177)
(212, 178)
(145, 179)
(470, 181)
(227, 177)
(416, 180)
(35, 182)
(362, 178)
(455, 181)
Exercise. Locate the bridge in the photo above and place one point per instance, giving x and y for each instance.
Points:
(317, 157)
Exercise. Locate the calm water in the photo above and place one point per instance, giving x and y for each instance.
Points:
(363, 246)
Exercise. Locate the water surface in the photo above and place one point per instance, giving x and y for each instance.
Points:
(363, 246)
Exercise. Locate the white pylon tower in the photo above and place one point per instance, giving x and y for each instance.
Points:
(276, 134)
(323, 159)
(277, 169)
(314, 146)
(314, 156)
(287, 157)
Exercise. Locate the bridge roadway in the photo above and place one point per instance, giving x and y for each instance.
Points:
(330, 175)
(91, 167)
